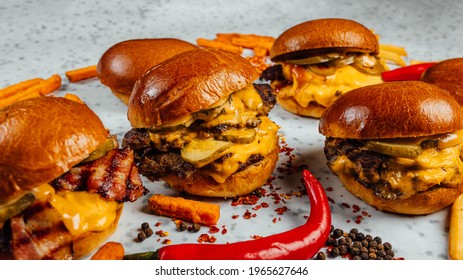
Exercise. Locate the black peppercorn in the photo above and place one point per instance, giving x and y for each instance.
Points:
(148, 231)
(145, 225)
(338, 233)
(141, 236)
(320, 256)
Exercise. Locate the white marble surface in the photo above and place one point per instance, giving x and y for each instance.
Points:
(39, 38)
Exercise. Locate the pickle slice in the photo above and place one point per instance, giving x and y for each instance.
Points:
(314, 59)
(395, 149)
(108, 145)
(13, 209)
(240, 136)
(322, 69)
(200, 152)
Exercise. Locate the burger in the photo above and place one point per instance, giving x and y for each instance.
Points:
(201, 125)
(448, 75)
(318, 60)
(123, 63)
(63, 180)
(397, 146)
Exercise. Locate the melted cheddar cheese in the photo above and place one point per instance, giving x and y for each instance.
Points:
(80, 211)
(263, 145)
(308, 87)
(411, 175)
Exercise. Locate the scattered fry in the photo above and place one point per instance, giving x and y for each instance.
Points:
(392, 57)
(44, 87)
(73, 97)
(109, 251)
(185, 209)
(392, 48)
(13, 89)
(456, 230)
(219, 45)
(80, 74)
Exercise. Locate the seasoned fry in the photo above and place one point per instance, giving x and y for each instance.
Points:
(185, 209)
(219, 45)
(80, 74)
(110, 251)
(260, 52)
(42, 88)
(456, 230)
(13, 89)
(73, 97)
(251, 42)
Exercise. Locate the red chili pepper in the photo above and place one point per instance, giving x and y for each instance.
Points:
(407, 73)
(300, 243)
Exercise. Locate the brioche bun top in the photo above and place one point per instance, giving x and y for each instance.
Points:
(187, 83)
(321, 36)
(42, 138)
(392, 110)
(123, 63)
(448, 75)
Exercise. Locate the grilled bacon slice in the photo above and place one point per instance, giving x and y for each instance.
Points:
(114, 176)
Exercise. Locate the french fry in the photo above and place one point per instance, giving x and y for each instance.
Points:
(392, 48)
(252, 41)
(393, 57)
(219, 45)
(184, 209)
(456, 230)
(260, 51)
(15, 88)
(80, 74)
(73, 97)
(110, 251)
(42, 88)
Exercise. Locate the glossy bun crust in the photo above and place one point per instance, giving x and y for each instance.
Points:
(448, 75)
(422, 203)
(42, 138)
(185, 84)
(323, 36)
(392, 110)
(240, 183)
(125, 62)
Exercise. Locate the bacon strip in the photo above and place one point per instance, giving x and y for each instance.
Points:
(114, 176)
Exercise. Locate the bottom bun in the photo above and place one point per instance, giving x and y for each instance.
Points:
(313, 110)
(122, 96)
(419, 204)
(83, 245)
(240, 183)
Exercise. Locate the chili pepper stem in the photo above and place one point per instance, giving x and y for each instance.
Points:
(149, 255)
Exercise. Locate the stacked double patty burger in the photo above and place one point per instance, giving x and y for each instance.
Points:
(318, 60)
(201, 125)
(63, 180)
(397, 146)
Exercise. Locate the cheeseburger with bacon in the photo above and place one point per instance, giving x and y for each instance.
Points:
(63, 180)
(201, 125)
(318, 60)
(397, 146)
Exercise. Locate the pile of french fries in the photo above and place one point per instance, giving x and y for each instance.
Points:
(37, 87)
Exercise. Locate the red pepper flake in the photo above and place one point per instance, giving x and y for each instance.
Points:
(235, 217)
(345, 205)
(329, 189)
(365, 213)
(247, 215)
(264, 205)
(331, 200)
(213, 229)
(356, 208)
(206, 238)
(224, 230)
(358, 219)
(166, 241)
(257, 207)
(162, 233)
(281, 210)
(256, 236)
(249, 199)
(158, 224)
(274, 220)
